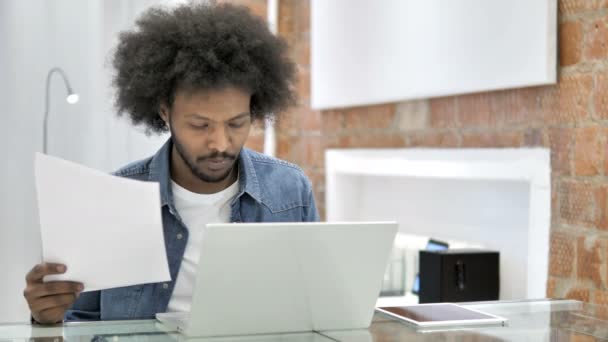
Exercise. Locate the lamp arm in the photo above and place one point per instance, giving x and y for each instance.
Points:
(47, 101)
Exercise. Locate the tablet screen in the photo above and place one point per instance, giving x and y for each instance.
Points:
(436, 313)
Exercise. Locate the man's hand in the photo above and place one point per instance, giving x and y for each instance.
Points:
(49, 301)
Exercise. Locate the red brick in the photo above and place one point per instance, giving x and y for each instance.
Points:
(596, 40)
(534, 137)
(604, 150)
(310, 119)
(516, 106)
(601, 207)
(412, 116)
(577, 203)
(605, 157)
(568, 101)
(333, 121)
(288, 122)
(302, 10)
(571, 6)
(551, 284)
(300, 51)
(443, 112)
(600, 297)
(372, 140)
(369, 117)
(303, 86)
(317, 178)
(313, 152)
(561, 142)
(309, 151)
(294, 26)
(337, 142)
(578, 293)
(322, 214)
(576, 6)
(570, 43)
(257, 7)
(601, 96)
(305, 151)
(287, 21)
(562, 255)
(320, 201)
(320, 198)
(576, 337)
(601, 312)
(255, 142)
(434, 139)
(475, 110)
(589, 262)
(601, 204)
(285, 147)
(492, 139)
(588, 151)
(555, 218)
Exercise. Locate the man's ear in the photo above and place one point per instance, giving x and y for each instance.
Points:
(163, 111)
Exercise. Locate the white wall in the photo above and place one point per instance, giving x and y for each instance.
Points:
(35, 36)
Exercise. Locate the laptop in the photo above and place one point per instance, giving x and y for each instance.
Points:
(265, 278)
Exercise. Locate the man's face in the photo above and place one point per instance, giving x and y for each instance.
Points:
(209, 129)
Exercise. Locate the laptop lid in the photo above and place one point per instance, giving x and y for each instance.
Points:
(256, 278)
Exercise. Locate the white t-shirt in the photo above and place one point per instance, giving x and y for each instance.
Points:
(196, 210)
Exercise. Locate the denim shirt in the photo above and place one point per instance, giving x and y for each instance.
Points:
(270, 190)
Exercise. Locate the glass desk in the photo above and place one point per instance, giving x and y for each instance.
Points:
(533, 320)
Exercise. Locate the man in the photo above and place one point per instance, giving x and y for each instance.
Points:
(203, 72)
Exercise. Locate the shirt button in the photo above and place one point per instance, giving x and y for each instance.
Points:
(179, 236)
(165, 286)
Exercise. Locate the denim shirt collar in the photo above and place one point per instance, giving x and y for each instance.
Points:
(160, 171)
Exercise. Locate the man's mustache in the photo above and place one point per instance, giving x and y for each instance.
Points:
(216, 155)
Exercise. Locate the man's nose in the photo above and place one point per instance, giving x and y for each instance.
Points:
(219, 140)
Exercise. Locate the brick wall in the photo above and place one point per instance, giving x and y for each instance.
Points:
(570, 118)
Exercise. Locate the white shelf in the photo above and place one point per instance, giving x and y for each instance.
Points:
(472, 164)
(497, 198)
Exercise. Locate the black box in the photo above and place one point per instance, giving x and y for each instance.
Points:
(458, 275)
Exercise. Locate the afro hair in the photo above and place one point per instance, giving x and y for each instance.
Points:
(200, 46)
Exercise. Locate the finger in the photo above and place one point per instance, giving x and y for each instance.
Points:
(39, 271)
(52, 315)
(50, 302)
(52, 288)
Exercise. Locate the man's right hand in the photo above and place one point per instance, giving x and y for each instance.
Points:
(49, 301)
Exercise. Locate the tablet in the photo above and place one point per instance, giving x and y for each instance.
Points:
(440, 315)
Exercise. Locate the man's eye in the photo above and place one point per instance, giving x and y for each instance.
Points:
(204, 126)
(235, 125)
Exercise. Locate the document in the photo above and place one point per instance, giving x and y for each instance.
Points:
(107, 230)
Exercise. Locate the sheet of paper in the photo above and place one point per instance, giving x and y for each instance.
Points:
(106, 229)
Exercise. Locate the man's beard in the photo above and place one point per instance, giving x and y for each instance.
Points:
(192, 165)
